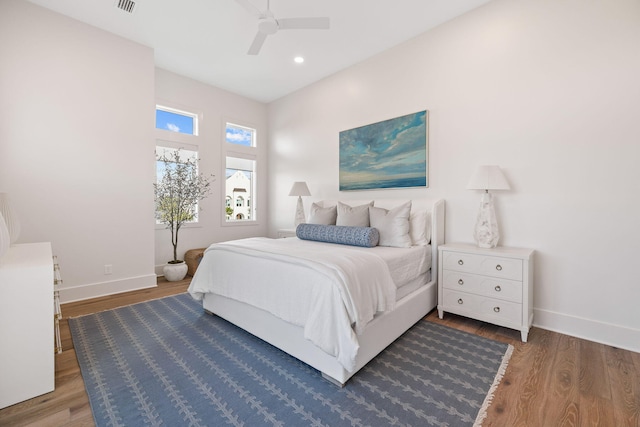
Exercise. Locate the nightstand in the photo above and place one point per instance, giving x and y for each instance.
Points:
(286, 232)
(492, 285)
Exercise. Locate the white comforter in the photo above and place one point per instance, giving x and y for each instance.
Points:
(346, 287)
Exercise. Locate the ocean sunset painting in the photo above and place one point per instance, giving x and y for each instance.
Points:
(387, 154)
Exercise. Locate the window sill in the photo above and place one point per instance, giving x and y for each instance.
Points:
(189, 225)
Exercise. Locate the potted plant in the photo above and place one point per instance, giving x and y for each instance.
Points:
(177, 195)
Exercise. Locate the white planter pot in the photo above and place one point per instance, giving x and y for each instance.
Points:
(175, 272)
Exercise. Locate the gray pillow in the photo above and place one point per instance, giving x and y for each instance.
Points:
(324, 216)
(353, 216)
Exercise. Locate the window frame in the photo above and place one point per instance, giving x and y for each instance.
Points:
(178, 140)
(243, 152)
(254, 136)
(246, 201)
(195, 116)
(171, 145)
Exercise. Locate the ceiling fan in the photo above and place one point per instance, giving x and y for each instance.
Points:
(268, 24)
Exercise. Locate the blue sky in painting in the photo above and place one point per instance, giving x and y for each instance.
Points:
(390, 150)
(174, 122)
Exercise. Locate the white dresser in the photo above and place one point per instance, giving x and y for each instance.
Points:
(492, 285)
(27, 361)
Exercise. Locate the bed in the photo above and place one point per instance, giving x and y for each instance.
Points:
(333, 306)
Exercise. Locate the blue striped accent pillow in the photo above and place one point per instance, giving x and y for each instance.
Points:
(367, 237)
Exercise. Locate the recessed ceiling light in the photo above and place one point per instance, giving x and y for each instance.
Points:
(298, 59)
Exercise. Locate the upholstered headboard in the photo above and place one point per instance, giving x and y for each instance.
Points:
(435, 208)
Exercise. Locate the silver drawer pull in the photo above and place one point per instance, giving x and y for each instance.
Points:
(498, 288)
(460, 262)
(496, 309)
(460, 282)
(460, 301)
(499, 267)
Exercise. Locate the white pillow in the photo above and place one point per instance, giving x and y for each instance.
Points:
(393, 225)
(323, 216)
(420, 227)
(356, 216)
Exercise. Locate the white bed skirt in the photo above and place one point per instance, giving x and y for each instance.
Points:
(378, 334)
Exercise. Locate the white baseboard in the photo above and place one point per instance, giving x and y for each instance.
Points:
(579, 327)
(159, 270)
(94, 290)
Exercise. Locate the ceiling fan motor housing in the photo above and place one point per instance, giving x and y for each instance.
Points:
(268, 25)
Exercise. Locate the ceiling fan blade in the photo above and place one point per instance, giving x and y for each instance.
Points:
(249, 6)
(303, 24)
(258, 41)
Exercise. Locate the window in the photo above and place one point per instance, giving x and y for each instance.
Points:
(176, 132)
(182, 155)
(240, 155)
(239, 188)
(240, 135)
(178, 121)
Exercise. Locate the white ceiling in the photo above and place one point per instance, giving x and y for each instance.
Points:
(207, 40)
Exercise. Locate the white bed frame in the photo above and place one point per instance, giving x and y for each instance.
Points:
(377, 335)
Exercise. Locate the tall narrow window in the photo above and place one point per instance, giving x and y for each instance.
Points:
(240, 182)
(185, 156)
(176, 132)
(240, 154)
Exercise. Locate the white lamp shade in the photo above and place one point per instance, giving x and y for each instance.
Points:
(488, 178)
(299, 188)
(10, 217)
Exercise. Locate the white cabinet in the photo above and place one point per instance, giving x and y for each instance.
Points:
(492, 285)
(27, 361)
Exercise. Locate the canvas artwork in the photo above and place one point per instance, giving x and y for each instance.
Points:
(387, 154)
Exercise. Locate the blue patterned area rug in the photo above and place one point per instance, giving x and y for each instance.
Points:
(166, 362)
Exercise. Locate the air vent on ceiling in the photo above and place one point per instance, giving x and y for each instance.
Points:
(128, 6)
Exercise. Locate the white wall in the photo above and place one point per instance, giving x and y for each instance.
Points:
(549, 90)
(76, 146)
(215, 107)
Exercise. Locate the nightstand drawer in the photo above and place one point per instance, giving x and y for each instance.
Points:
(483, 307)
(508, 290)
(506, 268)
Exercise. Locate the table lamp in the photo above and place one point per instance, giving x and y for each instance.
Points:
(487, 178)
(299, 189)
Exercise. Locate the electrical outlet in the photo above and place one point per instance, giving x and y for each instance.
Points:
(108, 269)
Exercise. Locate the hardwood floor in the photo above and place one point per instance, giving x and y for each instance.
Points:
(552, 380)
(68, 404)
(558, 380)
